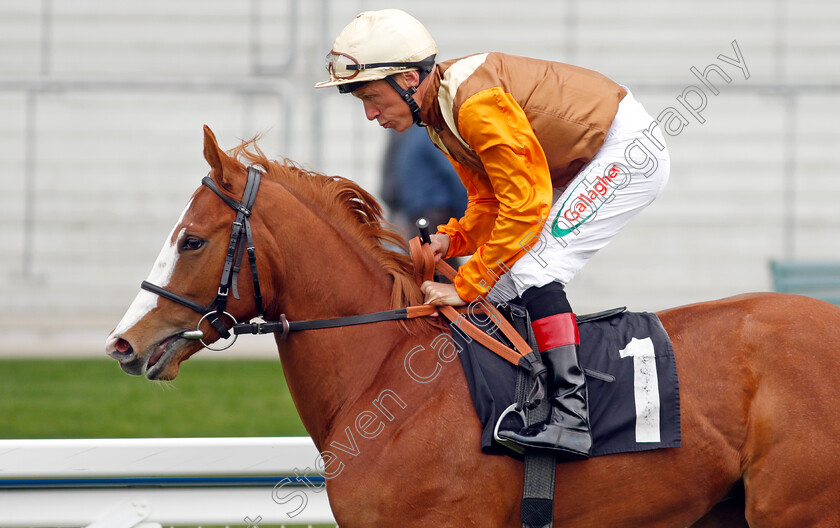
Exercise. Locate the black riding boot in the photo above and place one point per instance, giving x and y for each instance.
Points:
(567, 429)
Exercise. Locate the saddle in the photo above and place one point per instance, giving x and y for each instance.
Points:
(631, 376)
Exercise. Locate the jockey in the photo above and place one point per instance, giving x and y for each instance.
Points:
(556, 159)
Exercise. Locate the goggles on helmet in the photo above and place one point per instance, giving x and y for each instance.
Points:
(343, 66)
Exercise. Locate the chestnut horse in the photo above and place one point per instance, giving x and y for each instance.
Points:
(396, 429)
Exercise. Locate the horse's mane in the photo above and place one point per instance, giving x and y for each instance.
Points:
(355, 211)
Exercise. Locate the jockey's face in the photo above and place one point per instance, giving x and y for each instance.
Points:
(385, 105)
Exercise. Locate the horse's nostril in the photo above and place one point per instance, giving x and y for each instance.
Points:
(122, 346)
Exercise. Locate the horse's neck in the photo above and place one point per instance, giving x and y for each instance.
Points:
(331, 376)
(327, 370)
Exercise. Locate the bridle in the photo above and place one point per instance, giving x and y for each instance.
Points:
(241, 240)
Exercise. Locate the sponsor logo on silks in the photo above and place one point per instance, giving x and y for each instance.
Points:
(587, 197)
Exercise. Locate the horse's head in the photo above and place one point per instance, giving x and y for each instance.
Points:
(190, 300)
(157, 332)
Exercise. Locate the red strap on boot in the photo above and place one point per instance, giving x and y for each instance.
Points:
(556, 330)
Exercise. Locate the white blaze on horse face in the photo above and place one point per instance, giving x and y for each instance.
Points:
(160, 275)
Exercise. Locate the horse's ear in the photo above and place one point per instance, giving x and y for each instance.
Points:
(224, 168)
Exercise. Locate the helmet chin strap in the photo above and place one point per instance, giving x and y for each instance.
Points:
(426, 67)
(407, 97)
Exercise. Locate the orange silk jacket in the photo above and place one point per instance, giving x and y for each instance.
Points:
(513, 128)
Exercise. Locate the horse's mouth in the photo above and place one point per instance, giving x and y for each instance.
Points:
(162, 355)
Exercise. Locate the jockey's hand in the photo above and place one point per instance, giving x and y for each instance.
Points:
(440, 294)
(440, 245)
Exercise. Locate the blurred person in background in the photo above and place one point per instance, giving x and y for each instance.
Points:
(419, 182)
(556, 159)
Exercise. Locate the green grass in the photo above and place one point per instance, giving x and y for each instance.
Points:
(93, 398)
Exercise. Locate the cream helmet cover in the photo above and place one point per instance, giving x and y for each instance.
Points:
(376, 45)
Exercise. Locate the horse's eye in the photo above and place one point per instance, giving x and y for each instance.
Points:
(192, 243)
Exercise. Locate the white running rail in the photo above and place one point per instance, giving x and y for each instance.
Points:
(153, 482)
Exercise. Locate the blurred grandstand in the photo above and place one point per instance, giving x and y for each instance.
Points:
(102, 105)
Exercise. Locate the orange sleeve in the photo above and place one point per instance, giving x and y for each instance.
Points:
(471, 230)
(497, 129)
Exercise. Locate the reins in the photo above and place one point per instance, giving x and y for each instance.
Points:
(241, 241)
(424, 269)
(423, 259)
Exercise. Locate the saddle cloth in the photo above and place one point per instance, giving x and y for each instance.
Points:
(631, 378)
